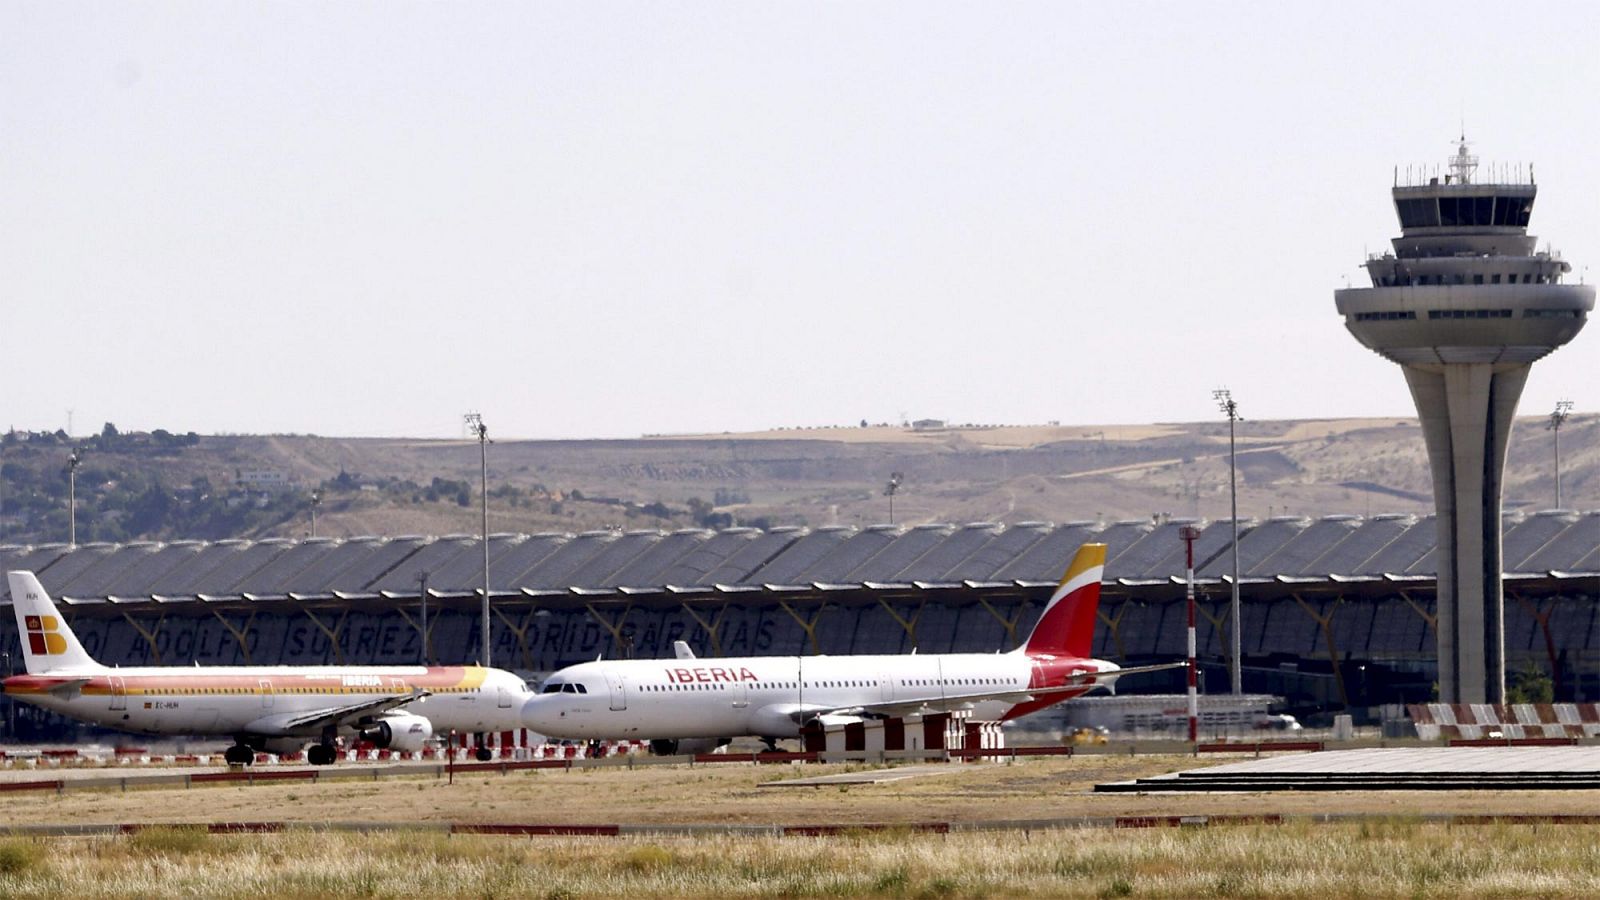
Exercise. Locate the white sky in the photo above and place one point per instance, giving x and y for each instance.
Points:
(612, 219)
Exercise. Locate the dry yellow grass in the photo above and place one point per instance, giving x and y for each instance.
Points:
(1395, 858)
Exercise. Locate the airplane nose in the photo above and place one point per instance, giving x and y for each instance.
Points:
(537, 713)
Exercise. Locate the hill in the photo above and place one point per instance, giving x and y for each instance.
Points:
(162, 486)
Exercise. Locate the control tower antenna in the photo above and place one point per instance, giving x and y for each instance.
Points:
(1464, 164)
(1465, 303)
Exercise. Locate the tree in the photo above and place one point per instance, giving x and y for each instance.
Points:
(1529, 685)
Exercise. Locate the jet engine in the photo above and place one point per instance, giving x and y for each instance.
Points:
(687, 746)
(401, 731)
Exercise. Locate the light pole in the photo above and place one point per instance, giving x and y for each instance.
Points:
(422, 593)
(894, 486)
(73, 461)
(1557, 419)
(475, 424)
(1225, 402)
(316, 500)
(1189, 533)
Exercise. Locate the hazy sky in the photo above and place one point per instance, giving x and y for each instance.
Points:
(612, 219)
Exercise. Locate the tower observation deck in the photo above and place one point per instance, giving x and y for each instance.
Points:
(1465, 303)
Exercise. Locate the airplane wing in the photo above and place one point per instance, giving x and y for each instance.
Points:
(318, 720)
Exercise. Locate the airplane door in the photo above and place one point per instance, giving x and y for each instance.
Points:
(119, 693)
(266, 693)
(505, 697)
(886, 680)
(741, 694)
(619, 696)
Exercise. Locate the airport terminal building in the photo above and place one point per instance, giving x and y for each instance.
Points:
(1338, 612)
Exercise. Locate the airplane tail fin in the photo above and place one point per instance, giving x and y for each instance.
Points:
(1066, 627)
(48, 644)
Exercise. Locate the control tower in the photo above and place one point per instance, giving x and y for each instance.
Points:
(1465, 304)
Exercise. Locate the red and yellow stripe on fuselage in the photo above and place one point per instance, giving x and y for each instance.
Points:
(237, 681)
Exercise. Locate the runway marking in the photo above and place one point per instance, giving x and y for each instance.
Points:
(871, 776)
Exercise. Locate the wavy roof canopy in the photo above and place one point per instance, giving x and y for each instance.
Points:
(1333, 549)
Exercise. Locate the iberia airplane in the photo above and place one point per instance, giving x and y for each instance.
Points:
(690, 704)
(275, 708)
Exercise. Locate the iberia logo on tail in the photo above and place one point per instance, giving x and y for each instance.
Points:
(43, 639)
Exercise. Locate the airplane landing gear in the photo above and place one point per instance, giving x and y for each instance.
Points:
(320, 754)
(483, 753)
(239, 755)
(771, 744)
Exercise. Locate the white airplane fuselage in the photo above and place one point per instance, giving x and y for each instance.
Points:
(253, 699)
(773, 696)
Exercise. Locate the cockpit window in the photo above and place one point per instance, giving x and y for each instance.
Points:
(563, 687)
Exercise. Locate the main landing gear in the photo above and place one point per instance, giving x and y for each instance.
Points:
(239, 754)
(321, 754)
(483, 753)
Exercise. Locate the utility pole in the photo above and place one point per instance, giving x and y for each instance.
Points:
(316, 500)
(1190, 533)
(1225, 402)
(73, 461)
(475, 423)
(1557, 419)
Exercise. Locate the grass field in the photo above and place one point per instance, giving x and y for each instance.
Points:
(1381, 858)
(1391, 852)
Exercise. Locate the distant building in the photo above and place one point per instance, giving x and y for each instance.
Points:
(927, 424)
(263, 480)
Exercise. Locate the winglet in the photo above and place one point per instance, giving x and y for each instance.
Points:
(681, 650)
(1066, 627)
(48, 644)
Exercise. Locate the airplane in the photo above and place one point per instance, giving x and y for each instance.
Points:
(694, 705)
(278, 709)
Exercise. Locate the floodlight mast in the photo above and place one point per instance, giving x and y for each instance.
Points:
(422, 594)
(73, 461)
(1557, 419)
(475, 424)
(1226, 404)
